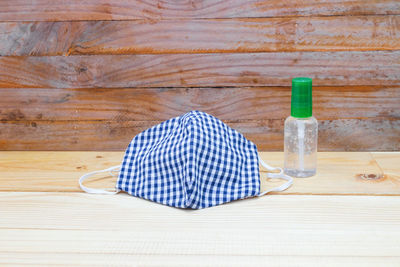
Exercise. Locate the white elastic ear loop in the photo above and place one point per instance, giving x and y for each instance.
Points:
(268, 167)
(279, 175)
(98, 190)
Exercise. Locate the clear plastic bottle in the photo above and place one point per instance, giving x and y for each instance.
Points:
(301, 132)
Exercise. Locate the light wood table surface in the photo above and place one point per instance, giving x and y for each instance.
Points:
(333, 219)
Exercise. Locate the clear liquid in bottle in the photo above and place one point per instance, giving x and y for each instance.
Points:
(301, 139)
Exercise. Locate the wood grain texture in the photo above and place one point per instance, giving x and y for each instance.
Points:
(387, 163)
(120, 259)
(79, 226)
(334, 135)
(204, 70)
(58, 10)
(201, 36)
(152, 104)
(338, 172)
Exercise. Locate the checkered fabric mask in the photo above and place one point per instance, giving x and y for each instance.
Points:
(192, 161)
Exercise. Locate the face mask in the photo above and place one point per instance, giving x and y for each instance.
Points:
(192, 161)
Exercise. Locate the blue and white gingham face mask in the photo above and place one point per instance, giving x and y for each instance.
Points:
(192, 161)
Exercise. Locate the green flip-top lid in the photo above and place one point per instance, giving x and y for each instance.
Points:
(301, 97)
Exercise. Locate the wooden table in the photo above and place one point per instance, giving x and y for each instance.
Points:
(333, 219)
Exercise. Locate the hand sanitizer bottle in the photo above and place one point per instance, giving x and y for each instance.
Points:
(301, 132)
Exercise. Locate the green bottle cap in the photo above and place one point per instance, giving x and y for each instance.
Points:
(301, 98)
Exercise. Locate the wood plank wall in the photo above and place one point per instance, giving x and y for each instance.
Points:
(89, 75)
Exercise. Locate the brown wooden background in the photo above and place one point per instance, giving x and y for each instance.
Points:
(89, 75)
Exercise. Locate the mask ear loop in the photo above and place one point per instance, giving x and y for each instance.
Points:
(98, 190)
(279, 175)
